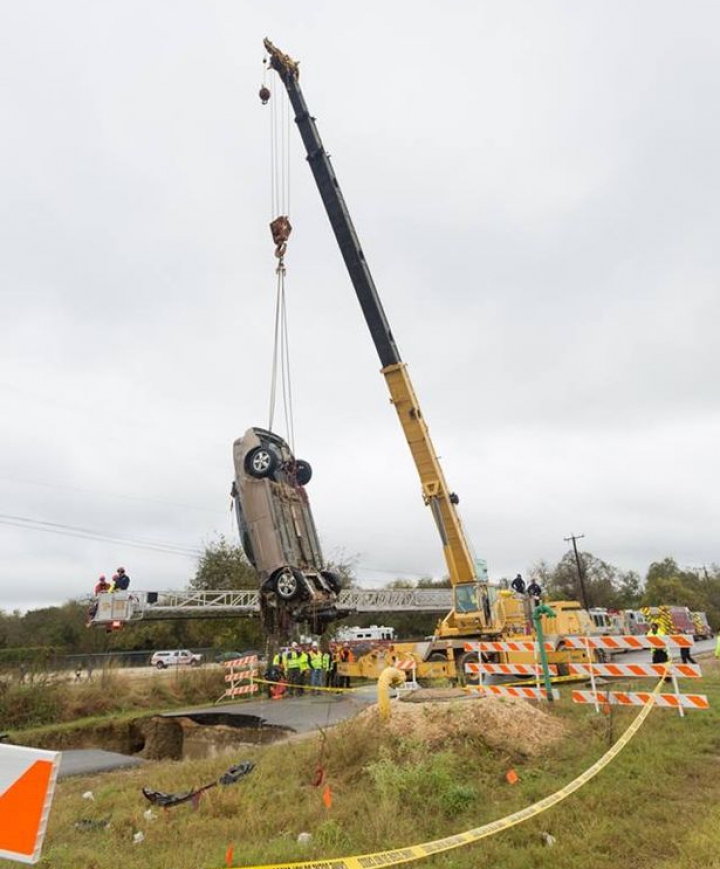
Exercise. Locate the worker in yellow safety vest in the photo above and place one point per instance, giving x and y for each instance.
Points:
(293, 670)
(276, 671)
(659, 654)
(316, 668)
(304, 669)
(326, 661)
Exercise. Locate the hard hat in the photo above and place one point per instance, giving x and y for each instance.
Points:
(314, 645)
(294, 645)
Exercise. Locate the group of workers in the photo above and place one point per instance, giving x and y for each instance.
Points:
(308, 666)
(533, 591)
(119, 582)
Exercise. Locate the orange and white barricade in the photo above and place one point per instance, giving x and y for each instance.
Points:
(27, 785)
(656, 671)
(241, 678)
(508, 669)
(622, 644)
(640, 698)
(506, 646)
(670, 671)
(523, 691)
(409, 667)
(535, 669)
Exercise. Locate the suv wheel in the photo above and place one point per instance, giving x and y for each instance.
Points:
(160, 665)
(303, 472)
(260, 462)
(333, 580)
(288, 583)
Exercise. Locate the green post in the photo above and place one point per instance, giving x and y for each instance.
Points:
(540, 611)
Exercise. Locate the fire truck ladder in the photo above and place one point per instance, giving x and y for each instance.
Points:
(138, 606)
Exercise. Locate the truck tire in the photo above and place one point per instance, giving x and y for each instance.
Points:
(468, 658)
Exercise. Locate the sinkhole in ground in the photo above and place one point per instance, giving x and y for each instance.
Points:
(200, 735)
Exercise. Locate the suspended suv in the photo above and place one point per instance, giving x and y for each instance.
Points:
(278, 534)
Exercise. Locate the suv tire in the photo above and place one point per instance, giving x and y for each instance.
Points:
(288, 583)
(303, 472)
(260, 462)
(333, 580)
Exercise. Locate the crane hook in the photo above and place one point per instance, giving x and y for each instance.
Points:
(264, 95)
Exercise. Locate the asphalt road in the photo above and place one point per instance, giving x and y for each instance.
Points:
(88, 761)
(301, 714)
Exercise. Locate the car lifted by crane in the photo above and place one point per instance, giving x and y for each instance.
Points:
(479, 611)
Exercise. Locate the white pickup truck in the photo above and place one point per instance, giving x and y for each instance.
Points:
(175, 658)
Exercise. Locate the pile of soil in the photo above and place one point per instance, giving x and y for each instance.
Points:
(506, 724)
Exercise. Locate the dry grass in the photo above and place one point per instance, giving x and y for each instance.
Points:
(34, 713)
(655, 805)
(504, 724)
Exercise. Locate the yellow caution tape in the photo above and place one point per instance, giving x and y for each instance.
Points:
(381, 859)
(306, 688)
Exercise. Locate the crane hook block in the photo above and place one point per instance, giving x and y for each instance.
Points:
(264, 95)
(280, 229)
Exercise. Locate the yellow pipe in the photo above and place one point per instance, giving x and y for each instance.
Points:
(389, 678)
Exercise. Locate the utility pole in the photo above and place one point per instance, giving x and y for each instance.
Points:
(580, 572)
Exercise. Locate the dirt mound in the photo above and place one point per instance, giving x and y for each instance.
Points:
(506, 724)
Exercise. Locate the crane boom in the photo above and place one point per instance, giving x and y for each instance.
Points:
(471, 594)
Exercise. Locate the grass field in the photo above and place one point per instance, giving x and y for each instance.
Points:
(657, 804)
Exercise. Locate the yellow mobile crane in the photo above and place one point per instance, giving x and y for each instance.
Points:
(475, 614)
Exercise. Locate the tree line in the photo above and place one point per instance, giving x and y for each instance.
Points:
(63, 629)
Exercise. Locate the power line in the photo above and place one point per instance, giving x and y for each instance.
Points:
(89, 534)
(103, 494)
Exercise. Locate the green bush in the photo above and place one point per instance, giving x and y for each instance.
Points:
(458, 799)
(412, 785)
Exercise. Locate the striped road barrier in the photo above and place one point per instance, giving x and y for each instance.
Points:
(688, 671)
(509, 669)
(238, 663)
(507, 646)
(640, 698)
(245, 674)
(627, 642)
(407, 664)
(525, 693)
(250, 688)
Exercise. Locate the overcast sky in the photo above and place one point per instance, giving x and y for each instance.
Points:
(536, 188)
